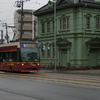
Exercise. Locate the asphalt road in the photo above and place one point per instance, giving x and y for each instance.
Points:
(28, 89)
(11, 96)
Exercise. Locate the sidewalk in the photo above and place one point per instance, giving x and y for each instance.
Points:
(83, 72)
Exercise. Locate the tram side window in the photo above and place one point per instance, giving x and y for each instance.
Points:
(13, 56)
(9, 56)
(1, 56)
(5, 56)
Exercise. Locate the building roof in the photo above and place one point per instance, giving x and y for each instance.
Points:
(62, 4)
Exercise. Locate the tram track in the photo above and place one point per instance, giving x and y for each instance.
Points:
(90, 81)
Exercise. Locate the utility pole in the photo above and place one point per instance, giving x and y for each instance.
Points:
(7, 37)
(21, 21)
(20, 4)
(55, 28)
(12, 27)
(1, 36)
(34, 30)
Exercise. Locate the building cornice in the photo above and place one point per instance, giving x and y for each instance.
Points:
(67, 6)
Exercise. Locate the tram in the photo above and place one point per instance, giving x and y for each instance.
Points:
(20, 56)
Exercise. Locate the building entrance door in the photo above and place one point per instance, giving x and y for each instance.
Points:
(64, 58)
(93, 58)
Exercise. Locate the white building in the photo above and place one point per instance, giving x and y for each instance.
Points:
(29, 26)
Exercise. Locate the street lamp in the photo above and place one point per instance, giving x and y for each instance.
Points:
(55, 32)
(55, 55)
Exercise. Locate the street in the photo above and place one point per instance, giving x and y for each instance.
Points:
(48, 86)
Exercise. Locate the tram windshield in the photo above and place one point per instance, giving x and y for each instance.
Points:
(29, 54)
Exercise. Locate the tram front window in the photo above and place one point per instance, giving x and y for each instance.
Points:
(29, 55)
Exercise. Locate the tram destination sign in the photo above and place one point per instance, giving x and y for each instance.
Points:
(27, 45)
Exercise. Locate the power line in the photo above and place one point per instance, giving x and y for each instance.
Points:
(8, 14)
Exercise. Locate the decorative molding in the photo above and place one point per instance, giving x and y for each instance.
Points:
(97, 16)
(88, 15)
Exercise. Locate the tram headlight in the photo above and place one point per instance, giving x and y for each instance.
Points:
(22, 64)
(38, 64)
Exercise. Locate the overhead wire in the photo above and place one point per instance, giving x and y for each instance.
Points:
(9, 14)
(8, 17)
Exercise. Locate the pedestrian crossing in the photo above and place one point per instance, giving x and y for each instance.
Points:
(72, 79)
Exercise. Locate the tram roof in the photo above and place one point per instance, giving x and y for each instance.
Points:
(10, 44)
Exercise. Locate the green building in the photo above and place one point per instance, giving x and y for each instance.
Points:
(77, 34)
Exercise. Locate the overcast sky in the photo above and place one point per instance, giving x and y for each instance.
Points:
(7, 8)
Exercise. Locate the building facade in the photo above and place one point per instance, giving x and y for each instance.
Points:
(29, 24)
(77, 34)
